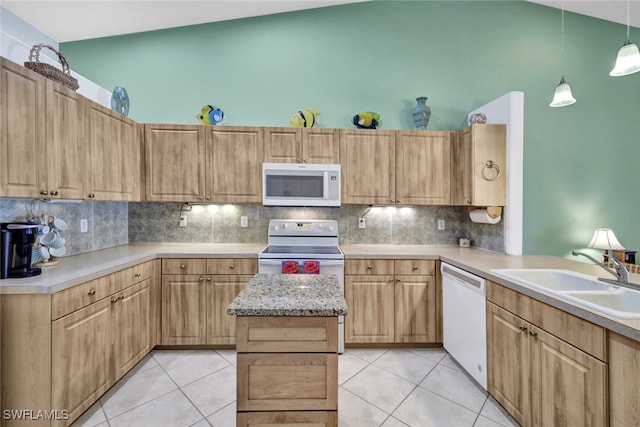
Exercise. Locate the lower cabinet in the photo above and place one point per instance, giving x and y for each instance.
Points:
(390, 301)
(539, 378)
(195, 296)
(624, 381)
(61, 352)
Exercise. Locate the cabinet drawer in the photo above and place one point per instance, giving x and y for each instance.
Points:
(368, 266)
(132, 275)
(286, 334)
(232, 266)
(184, 266)
(288, 418)
(77, 297)
(287, 382)
(424, 267)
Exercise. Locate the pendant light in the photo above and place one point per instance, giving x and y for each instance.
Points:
(562, 96)
(628, 59)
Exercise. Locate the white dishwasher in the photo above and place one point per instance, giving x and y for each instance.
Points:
(464, 312)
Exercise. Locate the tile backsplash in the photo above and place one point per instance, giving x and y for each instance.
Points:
(116, 223)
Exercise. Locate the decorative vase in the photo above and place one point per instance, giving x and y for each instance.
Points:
(421, 113)
(120, 100)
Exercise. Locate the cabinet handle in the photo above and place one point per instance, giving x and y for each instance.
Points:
(208, 198)
(121, 297)
(369, 267)
(44, 192)
(114, 300)
(533, 333)
(91, 195)
(490, 164)
(208, 279)
(137, 275)
(415, 267)
(232, 266)
(92, 292)
(397, 279)
(297, 160)
(397, 201)
(391, 279)
(201, 278)
(54, 192)
(304, 161)
(201, 198)
(182, 266)
(523, 328)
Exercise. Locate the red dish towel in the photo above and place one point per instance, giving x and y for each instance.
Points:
(290, 267)
(311, 267)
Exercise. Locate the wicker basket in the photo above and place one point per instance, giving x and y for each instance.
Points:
(49, 71)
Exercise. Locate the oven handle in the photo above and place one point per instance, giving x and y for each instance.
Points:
(323, 263)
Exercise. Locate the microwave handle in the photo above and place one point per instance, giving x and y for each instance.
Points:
(326, 186)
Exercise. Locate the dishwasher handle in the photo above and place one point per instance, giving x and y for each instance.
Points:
(461, 277)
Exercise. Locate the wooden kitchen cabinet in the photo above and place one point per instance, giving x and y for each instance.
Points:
(195, 295)
(43, 147)
(390, 301)
(115, 155)
(624, 381)
(479, 166)
(64, 350)
(539, 378)
(175, 169)
(395, 167)
(301, 145)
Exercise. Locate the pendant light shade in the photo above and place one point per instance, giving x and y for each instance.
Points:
(562, 96)
(628, 60)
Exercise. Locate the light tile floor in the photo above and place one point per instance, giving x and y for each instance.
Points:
(378, 387)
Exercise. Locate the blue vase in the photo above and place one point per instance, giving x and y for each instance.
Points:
(120, 100)
(421, 113)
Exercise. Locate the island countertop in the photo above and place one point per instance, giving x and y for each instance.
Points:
(309, 295)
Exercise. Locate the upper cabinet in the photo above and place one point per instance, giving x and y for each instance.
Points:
(301, 145)
(196, 163)
(115, 155)
(395, 167)
(479, 166)
(42, 139)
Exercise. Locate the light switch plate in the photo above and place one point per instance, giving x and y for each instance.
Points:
(244, 221)
(441, 224)
(84, 225)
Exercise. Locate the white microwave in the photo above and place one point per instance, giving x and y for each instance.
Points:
(300, 184)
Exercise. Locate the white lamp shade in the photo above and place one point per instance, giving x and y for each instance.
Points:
(627, 61)
(562, 96)
(604, 238)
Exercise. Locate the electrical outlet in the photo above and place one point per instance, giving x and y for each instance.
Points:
(244, 221)
(183, 220)
(441, 224)
(84, 225)
(361, 222)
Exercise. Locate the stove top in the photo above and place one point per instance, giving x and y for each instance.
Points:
(291, 249)
(302, 239)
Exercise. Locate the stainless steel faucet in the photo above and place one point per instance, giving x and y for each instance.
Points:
(621, 273)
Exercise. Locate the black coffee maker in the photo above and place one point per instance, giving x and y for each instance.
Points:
(16, 241)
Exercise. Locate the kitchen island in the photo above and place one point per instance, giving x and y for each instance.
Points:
(287, 343)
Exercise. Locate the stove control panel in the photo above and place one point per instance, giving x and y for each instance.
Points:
(312, 227)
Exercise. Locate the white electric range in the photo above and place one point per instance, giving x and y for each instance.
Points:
(304, 246)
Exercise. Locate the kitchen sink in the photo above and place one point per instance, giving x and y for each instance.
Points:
(553, 280)
(579, 288)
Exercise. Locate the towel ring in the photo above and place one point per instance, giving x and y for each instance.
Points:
(490, 164)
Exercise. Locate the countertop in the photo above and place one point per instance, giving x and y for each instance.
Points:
(77, 269)
(290, 295)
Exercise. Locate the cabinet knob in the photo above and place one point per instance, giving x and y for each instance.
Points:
(391, 279)
(201, 278)
(304, 161)
(182, 266)
(44, 192)
(201, 198)
(121, 297)
(397, 279)
(297, 160)
(208, 279)
(232, 266)
(397, 201)
(369, 267)
(468, 201)
(137, 275)
(91, 195)
(523, 327)
(533, 333)
(415, 267)
(54, 192)
(114, 300)
(92, 292)
(208, 198)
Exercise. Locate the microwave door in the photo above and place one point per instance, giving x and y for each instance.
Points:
(325, 187)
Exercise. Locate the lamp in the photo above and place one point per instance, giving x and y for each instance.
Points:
(562, 96)
(605, 238)
(628, 59)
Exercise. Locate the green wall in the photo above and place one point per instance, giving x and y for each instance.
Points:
(580, 162)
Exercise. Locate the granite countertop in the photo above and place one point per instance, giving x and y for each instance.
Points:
(290, 295)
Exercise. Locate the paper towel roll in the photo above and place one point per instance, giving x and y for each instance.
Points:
(481, 216)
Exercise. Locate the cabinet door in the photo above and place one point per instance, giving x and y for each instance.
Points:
(221, 290)
(415, 309)
(461, 191)
(568, 386)
(624, 381)
(114, 155)
(183, 310)
(66, 150)
(423, 162)
(320, 146)
(371, 309)
(234, 164)
(22, 132)
(489, 143)
(175, 162)
(132, 326)
(283, 145)
(81, 357)
(508, 362)
(368, 166)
